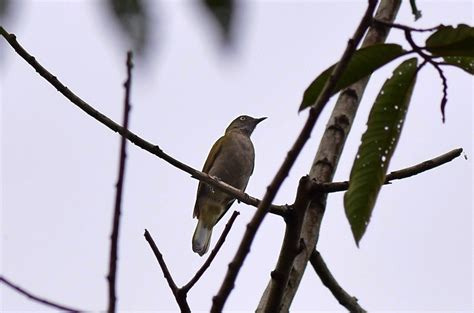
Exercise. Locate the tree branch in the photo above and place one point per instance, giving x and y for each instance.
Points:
(182, 303)
(327, 158)
(291, 246)
(345, 299)
(400, 174)
(35, 298)
(111, 277)
(135, 139)
(314, 112)
(180, 294)
(212, 255)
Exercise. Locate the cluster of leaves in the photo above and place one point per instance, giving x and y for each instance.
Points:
(455, 45)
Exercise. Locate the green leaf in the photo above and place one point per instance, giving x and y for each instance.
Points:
(132, 17)
(465, 63)
(223, 12)
(450, 41)
(363, 63)
(378, 144)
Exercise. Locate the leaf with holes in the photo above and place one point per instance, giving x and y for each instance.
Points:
(363, 63)
(384, 127)
(452, 41)
(465, 63)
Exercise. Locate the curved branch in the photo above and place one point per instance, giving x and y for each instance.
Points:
(180, 294)
(345, 299)
(400, 174)
(244, 247)
(35, 298)
(138, 141)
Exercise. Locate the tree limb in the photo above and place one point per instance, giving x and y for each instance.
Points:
(345, 299)
(180, 294)
(111, 277)
(291, 245)
(37, 299)
(138, 141)
(327, 158)
(314, 112)
(400, 174)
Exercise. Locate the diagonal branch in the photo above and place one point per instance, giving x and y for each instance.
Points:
(111, 277)
(213, 253)
(244, 247)
(400, 174)
(180, 294)
(37, 299)
(327, 158)
(291, 245)
(135, 139)
(182, 303)
(345, 299)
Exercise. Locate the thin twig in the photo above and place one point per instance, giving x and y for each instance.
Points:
(180, 297)
(180, 294)
(399, 174)
(111, 277)
(212, 255)
(345, 299)
(37, 299)
(244, 247)
(436, 65)
(405, 27)
(138, 141)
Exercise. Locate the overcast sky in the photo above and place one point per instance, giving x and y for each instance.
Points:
(59, 165)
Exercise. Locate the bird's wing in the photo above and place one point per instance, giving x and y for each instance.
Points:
(215, 150)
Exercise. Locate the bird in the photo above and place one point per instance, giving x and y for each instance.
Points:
(230, 160)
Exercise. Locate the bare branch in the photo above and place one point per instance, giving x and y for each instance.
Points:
(135, 139)
(436, 65)
(111, 277)
(405, 27)
(182, 303)
(212, 255)
(37, 299)
(400, 174)
(244, 247)
(180, 294)
(291, 246)
(345, 299)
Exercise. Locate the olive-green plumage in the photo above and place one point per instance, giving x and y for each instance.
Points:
(231, 160)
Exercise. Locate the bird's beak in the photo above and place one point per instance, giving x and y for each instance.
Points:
(258, 120)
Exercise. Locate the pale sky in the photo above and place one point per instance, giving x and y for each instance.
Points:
(59, 166)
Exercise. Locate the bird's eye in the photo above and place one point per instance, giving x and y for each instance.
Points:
(243, 118)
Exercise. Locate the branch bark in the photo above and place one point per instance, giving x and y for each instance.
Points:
(314, 112)
(399, 174)
(111, 277)
(291, 245)
(135, 139)
(345, 299)
(37, 299)
(181, 294)
(327, 157)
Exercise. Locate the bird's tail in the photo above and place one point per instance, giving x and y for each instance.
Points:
(201, 238)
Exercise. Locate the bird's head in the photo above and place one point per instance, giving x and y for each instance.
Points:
(245, 124)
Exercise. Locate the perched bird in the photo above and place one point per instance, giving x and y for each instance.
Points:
(231, 160)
